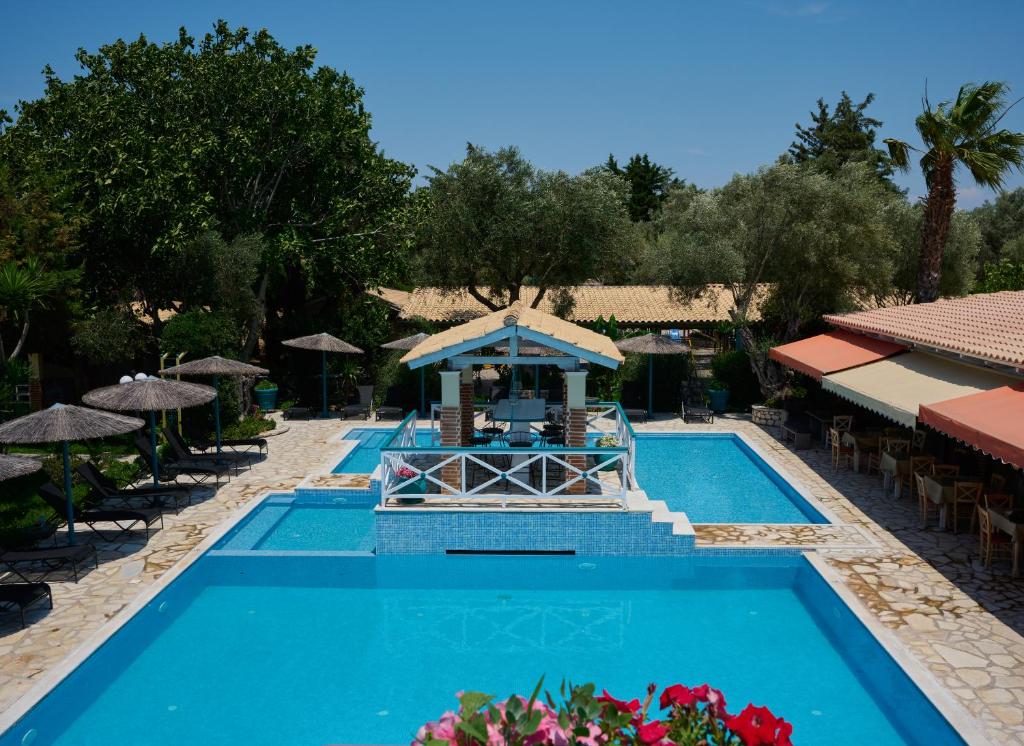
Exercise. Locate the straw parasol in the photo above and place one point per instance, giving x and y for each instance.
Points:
(323, 343)
(63, 423)
(215, 366)
(12, 467)
(149, 394)
(651, 345)
(408, 343)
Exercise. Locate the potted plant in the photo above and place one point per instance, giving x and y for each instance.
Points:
(266, 395)
(718, 396)
(607, 463)
(418, 487)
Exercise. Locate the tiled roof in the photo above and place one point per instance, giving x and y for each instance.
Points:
(520, 316)
(629, 304)
(987, 326)
(391, 296)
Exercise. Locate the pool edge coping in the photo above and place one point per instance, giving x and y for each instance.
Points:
(968, 727)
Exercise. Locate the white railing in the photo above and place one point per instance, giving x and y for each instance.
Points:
(544, 472)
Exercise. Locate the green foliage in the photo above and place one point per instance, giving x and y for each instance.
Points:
(1002, 227)
(493, 223)
(200, 334)
(265, 384)
(649, 185)
(110, 335)
(1006, 275)
(844, 135)
(732, 371)
(248, 427)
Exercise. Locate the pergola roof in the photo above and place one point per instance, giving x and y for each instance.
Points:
(518, 321)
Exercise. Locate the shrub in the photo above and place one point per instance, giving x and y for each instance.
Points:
(265, 384)
(248, 427)
(201, 334)
(732, 369)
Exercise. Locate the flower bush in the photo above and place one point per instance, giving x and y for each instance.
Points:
(685, 717)
(405, 472)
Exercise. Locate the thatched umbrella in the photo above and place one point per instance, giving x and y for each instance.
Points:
(63, 423)
(651, 345)
(215, 366)
(323, 343)
(408, 343)
(149, 394)
(12, 467)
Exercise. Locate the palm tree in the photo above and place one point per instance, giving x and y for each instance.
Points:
(22, 288)
(959, 133)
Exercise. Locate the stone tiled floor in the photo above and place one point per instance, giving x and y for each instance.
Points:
(962, 622)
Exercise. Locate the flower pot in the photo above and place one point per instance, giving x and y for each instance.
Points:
(417, 488)
(266, 398)
(718, 399)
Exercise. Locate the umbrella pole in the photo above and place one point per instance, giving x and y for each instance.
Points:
(323, 368)
(152, 443)
(216, 411)
(66, 447)
(650, 385)
(423, 393)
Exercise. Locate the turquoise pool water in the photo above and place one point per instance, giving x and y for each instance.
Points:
(314, 527)
(717, 478)
(344, 650)
(365, 457)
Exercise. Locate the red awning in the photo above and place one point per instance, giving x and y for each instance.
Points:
(990, 421)
(831, 352)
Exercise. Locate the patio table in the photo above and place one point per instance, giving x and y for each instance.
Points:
(860, 442)
(823, 421)
(1002, 520)
(940, 491)
(894, 468)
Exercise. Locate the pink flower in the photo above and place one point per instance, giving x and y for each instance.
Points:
(652, 732)
(714, 699)
(619, 704)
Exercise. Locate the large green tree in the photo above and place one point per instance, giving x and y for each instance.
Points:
(964, 132)
(788, 240)
(649, 185)
(155, 145)
(492, 223)
(839, 136)
(1002, 227)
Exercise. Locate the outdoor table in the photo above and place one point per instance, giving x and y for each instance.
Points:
(894, 468)
(520, 410)
(860, 442)
(1001, 520)
(823, 420)
(940, 491)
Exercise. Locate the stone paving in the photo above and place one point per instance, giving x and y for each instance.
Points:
(962, 622)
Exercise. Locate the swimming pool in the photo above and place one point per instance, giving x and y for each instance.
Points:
(314, 650)
(365, 456)
(281, 523)
(717, 478)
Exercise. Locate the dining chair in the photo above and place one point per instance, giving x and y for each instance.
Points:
(965, 494)
(919, 465)
(840, 453)
(991, 541)
(924, 503)
(843, 422)
(945, 470)
(918, 439)
(997, 482)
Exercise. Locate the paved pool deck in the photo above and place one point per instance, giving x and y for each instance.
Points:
(961, 622)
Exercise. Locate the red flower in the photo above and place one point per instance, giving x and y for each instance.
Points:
(651, 732)
(757, 726)
(714, 699)
(619, 704)
(678, 695)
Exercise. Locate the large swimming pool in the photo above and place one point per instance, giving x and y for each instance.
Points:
(311, 650)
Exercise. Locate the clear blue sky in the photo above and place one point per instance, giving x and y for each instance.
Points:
(710, 88)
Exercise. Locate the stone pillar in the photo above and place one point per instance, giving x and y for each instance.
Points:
(466, 404)
(576, 424)
(451, 423)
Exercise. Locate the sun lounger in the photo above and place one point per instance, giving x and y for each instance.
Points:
(172, 469)
(23, 596)
(105, 488)
(298, 413)
(234, 443)
(636, 415)
(697, 413)
(182, 452)
(52, 559)
(125, 520)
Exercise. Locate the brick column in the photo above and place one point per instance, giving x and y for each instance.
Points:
(466, 404)
(576, 425)
(451, 423)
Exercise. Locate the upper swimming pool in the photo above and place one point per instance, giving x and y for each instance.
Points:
(314, 650)
(717, 478)
(365, 456)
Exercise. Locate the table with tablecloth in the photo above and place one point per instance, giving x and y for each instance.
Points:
(1004, 521)
(940, 490)
(860, 443)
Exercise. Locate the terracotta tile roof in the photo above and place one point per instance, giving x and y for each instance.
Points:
(521, 317)
(391, 296)
(630, 304)
(987, 326)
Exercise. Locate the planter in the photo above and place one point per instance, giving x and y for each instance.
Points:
(415, 490)
(718, 399)
(767, 416)
(266, 398)
(606, 463)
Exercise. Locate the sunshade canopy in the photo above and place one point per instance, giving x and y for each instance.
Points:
(990, 421)
(150, 394)
(12, 467)
(831, 352)
(322, 342)
(64, 422)
(896, 387)
(405, 343)
(215, 365)
(519, 322)
(653, 344)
